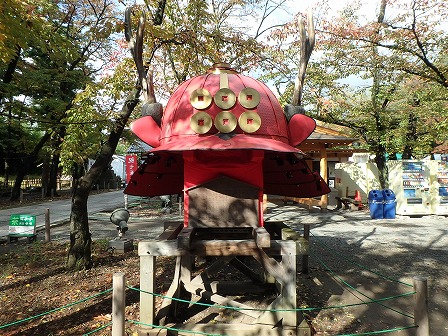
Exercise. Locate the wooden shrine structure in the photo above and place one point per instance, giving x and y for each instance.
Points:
(274, 247)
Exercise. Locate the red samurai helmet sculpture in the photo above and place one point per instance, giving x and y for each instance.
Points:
(223, 142)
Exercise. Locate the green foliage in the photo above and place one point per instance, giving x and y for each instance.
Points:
(22, 23)
(92, 117)
(395, 62)
(196, 34)
(17, 138)
(61, 45)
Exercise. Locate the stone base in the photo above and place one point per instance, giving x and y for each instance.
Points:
(121, 245)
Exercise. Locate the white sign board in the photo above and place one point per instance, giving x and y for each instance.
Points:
(22, 225)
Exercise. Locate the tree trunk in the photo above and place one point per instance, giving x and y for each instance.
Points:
(21, 173)
(378, 109)
(383, 172)
(79, 254)
(53, 177)
(9, 72)
(6, 181)
(411, 136)
(28, 162)
(56, 144)
(45, 174)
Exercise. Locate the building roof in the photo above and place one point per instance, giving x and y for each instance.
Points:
(139, 147)
(328, 136)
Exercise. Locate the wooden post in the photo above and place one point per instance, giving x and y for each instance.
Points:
(289, 287)
(324, 174)
(47, 225)
(118, 304)
(147, 286)
(265, 203)
(421, 306)
(305, 257)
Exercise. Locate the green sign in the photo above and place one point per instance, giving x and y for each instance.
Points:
(22, 225)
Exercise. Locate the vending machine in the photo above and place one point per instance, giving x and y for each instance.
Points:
(410, 180)
(440, 187)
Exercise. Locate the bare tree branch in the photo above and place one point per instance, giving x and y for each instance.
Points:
(307, 38)
(135, 45)
(266, 12)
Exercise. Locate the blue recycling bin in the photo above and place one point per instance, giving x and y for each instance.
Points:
(376, 204)
(390, 204)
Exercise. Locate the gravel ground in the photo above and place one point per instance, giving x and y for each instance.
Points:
(356, 258)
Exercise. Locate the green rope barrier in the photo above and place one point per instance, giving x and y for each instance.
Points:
(272, 310)
(336, 277)
(379, 331)
(54, 310)
(174, 329)
(98, 329)
(339, 256)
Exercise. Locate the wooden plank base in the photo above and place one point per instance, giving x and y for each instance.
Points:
(272, 251)
(236, 329)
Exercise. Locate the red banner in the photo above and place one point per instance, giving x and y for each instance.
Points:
(131, 166)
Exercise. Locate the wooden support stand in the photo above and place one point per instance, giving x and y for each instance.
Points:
(259, 255)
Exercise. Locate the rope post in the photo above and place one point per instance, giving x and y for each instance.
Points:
(305, 257)
(118, 304)
(47, 225)
(421, 306)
